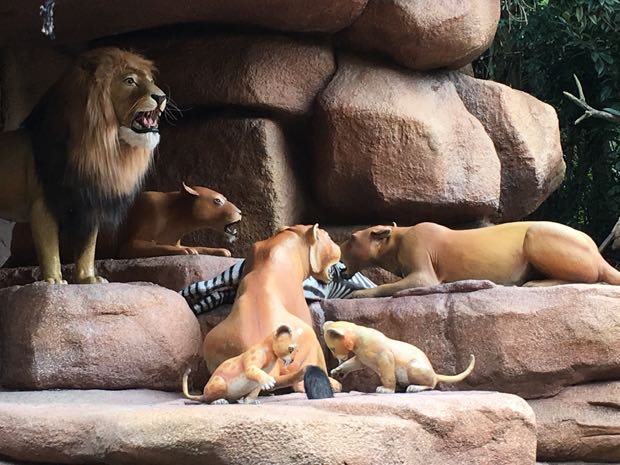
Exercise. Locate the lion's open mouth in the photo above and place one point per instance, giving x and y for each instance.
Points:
(146, 121)
(231, 230)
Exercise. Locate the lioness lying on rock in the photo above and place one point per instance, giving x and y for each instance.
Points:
(510, 254)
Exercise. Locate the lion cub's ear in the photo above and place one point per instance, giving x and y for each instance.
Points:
(283, 329)
(335, 333)
(189, 190)
(381, 232)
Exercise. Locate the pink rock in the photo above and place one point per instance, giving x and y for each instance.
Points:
(526, 135)
(146, 427)
(532, 342)
(173, 272)
(102, 336)
(426, 34)
(390, 147)
(580, 423)
(257, 71)
(20, 21)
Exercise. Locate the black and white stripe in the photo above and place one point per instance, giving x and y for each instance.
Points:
(204, 296)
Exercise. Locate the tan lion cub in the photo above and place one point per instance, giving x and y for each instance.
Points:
(244, 376)
(395, 362)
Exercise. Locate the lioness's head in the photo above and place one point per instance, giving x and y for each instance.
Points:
(210, 209)
(322, 251)
(364, 247)
(285, 344)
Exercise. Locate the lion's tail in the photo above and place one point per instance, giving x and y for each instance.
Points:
(185, 386)
(461, 376)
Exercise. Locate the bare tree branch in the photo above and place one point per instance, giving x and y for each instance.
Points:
(590, 112)
(615, 233)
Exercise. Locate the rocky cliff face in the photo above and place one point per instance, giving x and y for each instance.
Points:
(340, 112)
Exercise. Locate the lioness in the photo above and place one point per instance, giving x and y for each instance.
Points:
(511, 254)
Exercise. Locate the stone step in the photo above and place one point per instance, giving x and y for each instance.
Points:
(173, 272)
(113, 336)
(532, 342)
(151, 427)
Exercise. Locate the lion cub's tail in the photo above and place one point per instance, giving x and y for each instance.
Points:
(186, 387)
(461, 376)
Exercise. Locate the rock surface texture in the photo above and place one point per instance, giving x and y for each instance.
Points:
(526, 136)
(426, 34)
(401, 146)
(148, 427)
(580, 423)
(114, 336)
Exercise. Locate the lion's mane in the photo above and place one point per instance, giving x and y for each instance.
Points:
(88, 177)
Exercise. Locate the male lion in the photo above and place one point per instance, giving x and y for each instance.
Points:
(81, 156)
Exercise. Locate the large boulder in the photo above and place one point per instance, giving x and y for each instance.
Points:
(426, 34)
(532, 342)
(112, 336)
(146, 427)
(526, 135)
(173, 272)
(401, 146)
(247, 160)
(20, 22)
(257, 71)
(580, 423)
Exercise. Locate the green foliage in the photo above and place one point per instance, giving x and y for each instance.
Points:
(539, 45)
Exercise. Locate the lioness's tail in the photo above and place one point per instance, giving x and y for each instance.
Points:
(461, 376)
(608, 274)
(186, 388)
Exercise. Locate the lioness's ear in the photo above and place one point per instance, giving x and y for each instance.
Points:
(335, 333)
(189, 190)
(313, 234)
(394, 224)
(283, 329)
(315, 253)
(381, 233)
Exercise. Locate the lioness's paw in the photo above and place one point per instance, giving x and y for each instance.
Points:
(268, 383)
(58, 280)
(248, 401)
(336, 385)
(361, 294)
(222, 253)
(189, 251)
(384, 390)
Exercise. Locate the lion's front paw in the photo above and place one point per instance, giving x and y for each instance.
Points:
(91, 280)
(55, 280)
(248, 401)
(268, 383)
(384, 390)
